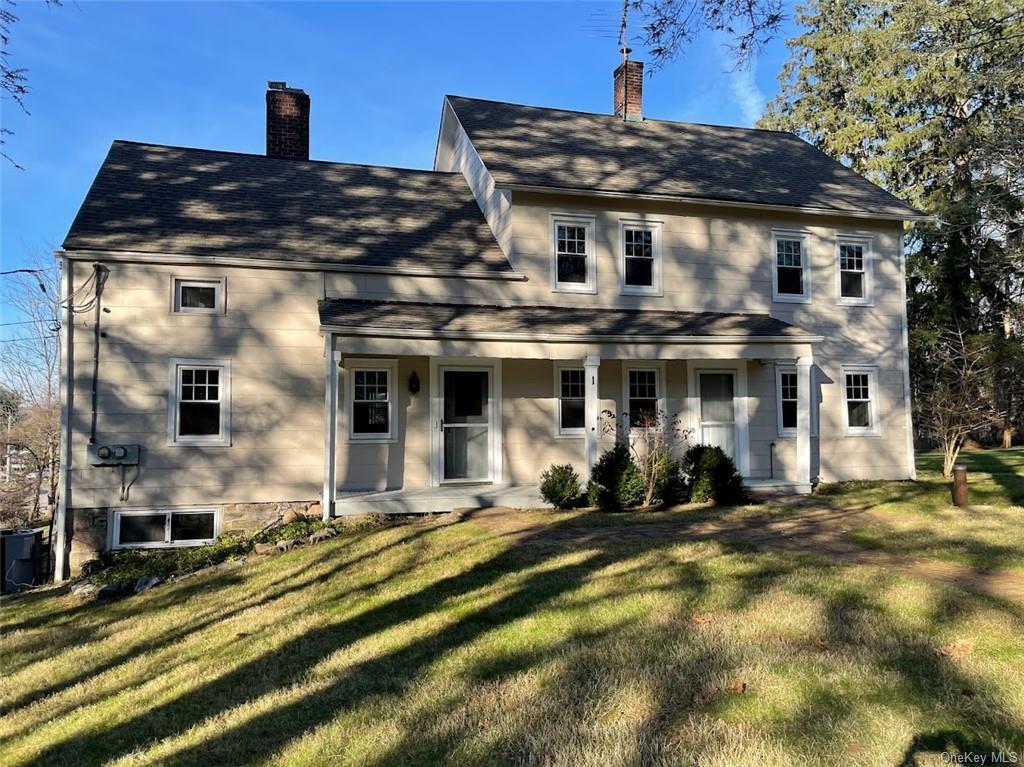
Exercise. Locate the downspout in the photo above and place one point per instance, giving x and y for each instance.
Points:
(60, 537)
(911, 467)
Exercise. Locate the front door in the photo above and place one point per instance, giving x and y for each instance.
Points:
(465, 425)
(717, 391)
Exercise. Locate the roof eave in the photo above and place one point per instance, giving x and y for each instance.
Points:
(809, 210)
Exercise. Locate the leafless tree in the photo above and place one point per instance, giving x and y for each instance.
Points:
(959, 400)
(651, 437)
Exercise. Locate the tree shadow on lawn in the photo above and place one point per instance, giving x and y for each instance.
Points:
(395, 671)
(292, 580)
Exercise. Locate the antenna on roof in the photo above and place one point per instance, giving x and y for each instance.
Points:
(623, 48)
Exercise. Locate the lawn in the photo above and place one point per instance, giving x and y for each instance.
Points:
(587, 639)
(917, 519)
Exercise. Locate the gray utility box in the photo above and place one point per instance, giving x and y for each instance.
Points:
(22, 559)
(114, 455)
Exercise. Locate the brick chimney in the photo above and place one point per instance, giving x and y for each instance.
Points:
(629, 88)
(287, 122)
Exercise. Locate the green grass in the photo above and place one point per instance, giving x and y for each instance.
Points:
(575, 644)
(917, 519)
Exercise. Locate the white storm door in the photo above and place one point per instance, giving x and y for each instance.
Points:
(717, 392)
(466, 425)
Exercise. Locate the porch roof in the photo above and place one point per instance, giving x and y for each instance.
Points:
(583, 324)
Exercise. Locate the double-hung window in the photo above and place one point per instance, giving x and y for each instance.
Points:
(200, 402)
(371, 395)
(573, 268)
(198, 296)
(854, 266)
(641, 258)
(787, 389)
(569, 382)
(791, 273)
(160, 529)
(644, 404)
(860, 400)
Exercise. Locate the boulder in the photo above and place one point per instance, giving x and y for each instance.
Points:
(112, 591)
(84, 589)
(287, 544)
(146, 582)
(292, 516)
(265, 548)
(231, 564)
(322, 535)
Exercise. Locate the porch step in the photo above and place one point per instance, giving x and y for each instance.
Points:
(430, 500)
(776, 487)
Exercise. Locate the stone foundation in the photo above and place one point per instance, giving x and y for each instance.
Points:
(89, 526)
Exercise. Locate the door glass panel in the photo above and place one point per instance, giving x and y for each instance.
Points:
(716, 397)
(466, 439)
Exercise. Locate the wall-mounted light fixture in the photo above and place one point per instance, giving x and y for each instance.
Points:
(414, 383)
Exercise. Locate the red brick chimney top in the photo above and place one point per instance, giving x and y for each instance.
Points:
(287, 122)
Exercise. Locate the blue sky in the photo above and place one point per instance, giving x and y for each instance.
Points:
(194, 74)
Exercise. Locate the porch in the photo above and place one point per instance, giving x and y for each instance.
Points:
(471, 402)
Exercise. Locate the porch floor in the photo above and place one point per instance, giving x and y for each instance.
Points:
(427, 500)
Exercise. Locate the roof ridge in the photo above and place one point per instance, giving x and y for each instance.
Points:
(625, 122)
(254, 155)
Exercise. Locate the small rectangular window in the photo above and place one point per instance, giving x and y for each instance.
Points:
(641, 257)
(787, 388)
(571, 400)
(160, 529)
(860, 401)
(198, 296)
(642, 397)
(371, 399)
(199, 402)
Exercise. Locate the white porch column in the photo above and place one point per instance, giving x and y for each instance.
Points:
(803, 421)
(591, 363)
(330, 427)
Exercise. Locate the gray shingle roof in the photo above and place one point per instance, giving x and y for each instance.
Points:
(172, 200)
(536, 321)
(539, 147)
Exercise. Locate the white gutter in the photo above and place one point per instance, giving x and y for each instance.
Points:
(712, 202)
(484, 335)
(131, 256)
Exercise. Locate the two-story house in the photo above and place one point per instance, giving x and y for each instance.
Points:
(247, 334)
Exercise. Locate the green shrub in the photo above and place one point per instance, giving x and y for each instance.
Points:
(297, 529)
(560, 486)
(711, 475)
(614, 481)
(128, 565)
(670, 484)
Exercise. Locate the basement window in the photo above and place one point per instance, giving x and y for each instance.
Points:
(162, 529)
(197, 296)
(200, 398)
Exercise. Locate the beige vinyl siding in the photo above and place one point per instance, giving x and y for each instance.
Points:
(270, 334)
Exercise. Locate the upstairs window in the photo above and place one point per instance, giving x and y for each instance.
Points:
(860, 400)
(641, 258)
(371, 400)
(573, 264)
(790, 268)
(571, 401)
(854, 272)
(198, 296)
(199, 402)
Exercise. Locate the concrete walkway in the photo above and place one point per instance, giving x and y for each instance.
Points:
(807, 528)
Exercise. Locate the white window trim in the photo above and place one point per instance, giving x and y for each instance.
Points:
(805, 258)
(223, 439)
(561, 433)
(219, 284)
(658, 366)
(785, 433)
(575, 219)
(655, 288)
(869, 271)
(351, 366)
(874, 430)
(115, 528)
